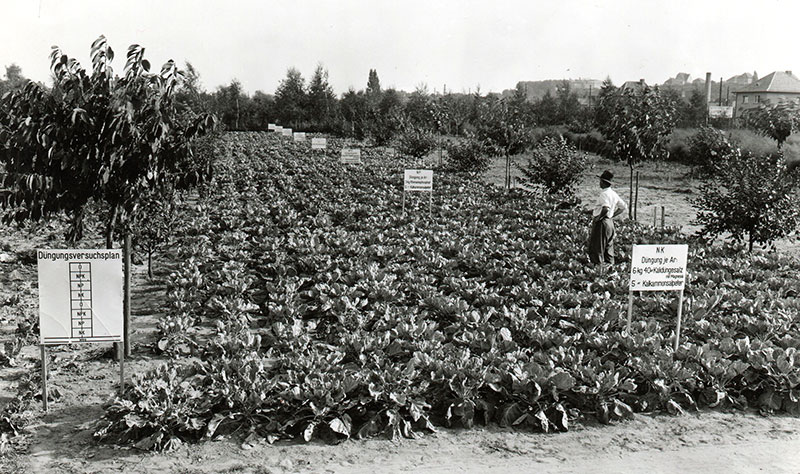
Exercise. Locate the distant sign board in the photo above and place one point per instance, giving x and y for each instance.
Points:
(720, 111)
(418, 180)
(299, 136)
(287, 132)
(278, 129)
(391, 152)
(351, 156)
(319, 143)
(658, 267)
(80, 296)
(271, 127)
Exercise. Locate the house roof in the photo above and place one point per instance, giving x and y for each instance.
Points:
(778, 81)
(640, 84)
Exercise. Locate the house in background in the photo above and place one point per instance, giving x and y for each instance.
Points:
(780, 86)
(634, 85)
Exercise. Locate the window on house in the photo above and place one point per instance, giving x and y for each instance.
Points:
(744, 99)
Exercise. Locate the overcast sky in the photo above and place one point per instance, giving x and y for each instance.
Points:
(458, 43)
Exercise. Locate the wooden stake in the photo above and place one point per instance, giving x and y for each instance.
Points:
(655, 217)
(662, 217)
(43, 350)
(126, 302)
(121, 369)
(636, 201)
(630, 311)
(404, 201)
(678, 326)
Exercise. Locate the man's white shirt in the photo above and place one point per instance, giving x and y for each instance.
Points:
(610, 199)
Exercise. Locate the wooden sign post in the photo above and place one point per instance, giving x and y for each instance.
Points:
(418, 180)
(80, 301)
(659, 268)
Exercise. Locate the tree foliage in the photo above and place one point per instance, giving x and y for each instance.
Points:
(416, 142)
(94, 137)
(467, 155)
(322, 104)
(13, 79)
(638, 123)
(752, 197)
(710, 149)
(291, 100)
(555, 165)
(503, 130)
(774, 121)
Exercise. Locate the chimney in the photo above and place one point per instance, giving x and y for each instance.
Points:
(641, 81)
(708, 87)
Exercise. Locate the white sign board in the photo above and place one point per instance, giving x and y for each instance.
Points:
(418, 180)
(287, 132)
(351, 156)
(80, 296)
(299, 136)
(271, 127)
(658, 267)
(319, 143)
(391, 152)
(720, 111)
(278, 129)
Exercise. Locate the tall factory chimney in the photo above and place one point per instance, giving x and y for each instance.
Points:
(708, 87)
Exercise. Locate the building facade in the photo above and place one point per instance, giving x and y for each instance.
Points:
(780, 86)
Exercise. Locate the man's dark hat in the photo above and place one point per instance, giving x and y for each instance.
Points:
(607, 176)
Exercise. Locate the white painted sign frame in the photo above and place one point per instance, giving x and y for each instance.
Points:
(80, 301)
(666, 259)
(413, 180)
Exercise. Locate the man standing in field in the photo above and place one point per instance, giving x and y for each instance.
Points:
(609, 206)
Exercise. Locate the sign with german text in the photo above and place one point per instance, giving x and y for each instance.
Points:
(658, 267)
(80, 296)
(351, 156)
(418, 180)
(720, 111)
(287, 132)
(299, 136)
(271, 127)
(278, 129)
(319, 143)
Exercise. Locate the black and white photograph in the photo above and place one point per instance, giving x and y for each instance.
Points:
(369, 236)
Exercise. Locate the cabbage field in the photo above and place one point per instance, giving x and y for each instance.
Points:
(303, 304)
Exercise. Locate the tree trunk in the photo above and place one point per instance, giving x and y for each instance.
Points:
(508, 171)
(630, 202)
(112, 222)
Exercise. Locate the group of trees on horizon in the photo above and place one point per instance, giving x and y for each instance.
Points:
(381, 113)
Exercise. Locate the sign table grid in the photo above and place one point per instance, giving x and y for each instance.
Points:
(80, 278)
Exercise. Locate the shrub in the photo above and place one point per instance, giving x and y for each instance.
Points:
(752, 195)
(556, 165)
(591, 142)
(751, 142)
(467, 155)
(709, 149)
(416, 142)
